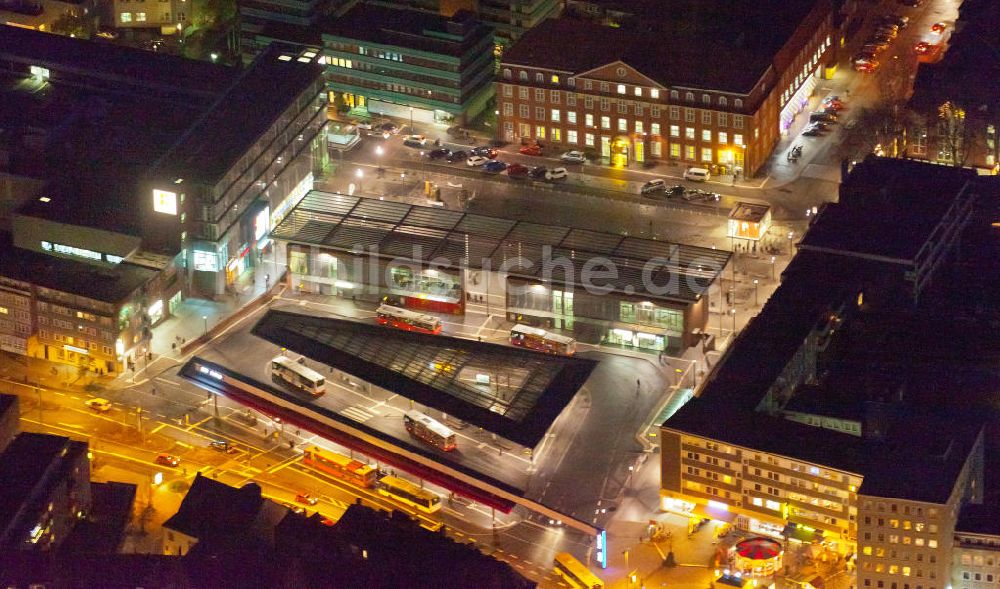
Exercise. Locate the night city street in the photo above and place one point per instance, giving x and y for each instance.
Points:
(355, 293)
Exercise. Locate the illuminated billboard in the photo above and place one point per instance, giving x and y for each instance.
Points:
(164, 201)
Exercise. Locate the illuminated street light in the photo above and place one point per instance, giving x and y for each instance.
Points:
(772, 268)
(756, 288)
(205, 319)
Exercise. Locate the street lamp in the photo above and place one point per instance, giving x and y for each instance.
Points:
(733, 311)
(411, 121)
(772, 268)
(791, 234)
(205, 319)
(756, 288)
(360, 175)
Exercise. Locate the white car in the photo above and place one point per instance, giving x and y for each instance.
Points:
(363, 126)
(476, 160)
(99, 404)
(573, 157)
(556, 174)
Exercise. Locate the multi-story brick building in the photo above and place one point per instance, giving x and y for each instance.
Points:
(169, 16)
(632, 96)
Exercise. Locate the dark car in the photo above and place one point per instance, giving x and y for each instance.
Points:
(388, 128)
(538, 172)
(517, 170)
(911, 3)
(675, 191)
(484, 151)
(457, 156)
(494, 166)
(221, 446)
(436, 154)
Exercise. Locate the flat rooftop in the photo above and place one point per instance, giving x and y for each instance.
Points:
(239, 118)
(746, 211)
(440, 371)
(411, 30)
(669, 47)
(888, 208)
(454, 239)
(23, 465)
(106, 284)
(884, 358)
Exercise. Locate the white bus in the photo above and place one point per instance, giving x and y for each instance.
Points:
(297, 375)
(428, 429)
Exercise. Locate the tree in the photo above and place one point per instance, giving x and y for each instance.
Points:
(74, 26)
(880, 129)
(953, 134)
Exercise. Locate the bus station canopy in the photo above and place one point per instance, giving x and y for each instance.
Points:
(512, 392)
(467, 240)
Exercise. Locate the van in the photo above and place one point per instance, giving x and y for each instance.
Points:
(697, 174)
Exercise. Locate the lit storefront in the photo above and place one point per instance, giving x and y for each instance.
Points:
(748, 222)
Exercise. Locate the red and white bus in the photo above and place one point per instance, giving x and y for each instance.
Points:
(408, 320)
(542, 341)
(340, 466)
(429, 430)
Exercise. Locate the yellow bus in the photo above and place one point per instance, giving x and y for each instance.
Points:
(406, 492)
(573, 571)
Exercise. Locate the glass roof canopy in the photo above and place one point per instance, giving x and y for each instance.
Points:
(524, 394)
(456, 239)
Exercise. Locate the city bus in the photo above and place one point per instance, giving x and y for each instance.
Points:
(340, 466)
(541, 340)
(407, 320)
(575, 573)
(297, 375)
(429, 430)
(409, 493)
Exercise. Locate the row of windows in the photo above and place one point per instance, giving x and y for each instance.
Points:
(892, 553)
(555, 116)
(977, 576)
(881, 507)
(623, 89)
(905, 524)
(624, 107)
(70, 326)
(906, 540)
(978, 560)
(73, 341)
(881, 585)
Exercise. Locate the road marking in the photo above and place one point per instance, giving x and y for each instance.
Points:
(196, 424)
(357, 413)
(158, 428)
(72, 425)
(179, 443)
(60, 394)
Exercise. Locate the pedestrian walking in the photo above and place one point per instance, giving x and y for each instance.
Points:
(638, 386)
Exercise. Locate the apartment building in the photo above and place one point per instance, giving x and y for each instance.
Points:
(634, 96)
(818, 425)
(169, 16)
(975, 562)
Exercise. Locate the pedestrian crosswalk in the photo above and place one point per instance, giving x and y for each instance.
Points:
(358, 414)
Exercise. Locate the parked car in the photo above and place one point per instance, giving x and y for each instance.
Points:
(98, 404)
(833, 102)
(880, 37)
(533, 149)
(875, 46)
(698, 195)
(573, 157)
(167, 459)
(895, 19)
(922, 48)
(306, 498)
(891, 31)
(517, 170)
(938, 28)
(494, 166)
(457, 156)
(415, 141)
(389, 128)
(675, 191)
(863, 55)
(653, 186)
(476, 160)
(484, 151)
(556, 174)
(364, 126)
(538, 172)
(866, 67)
(822, 116)
(911, 3)
(811, 130)
(440, 153)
